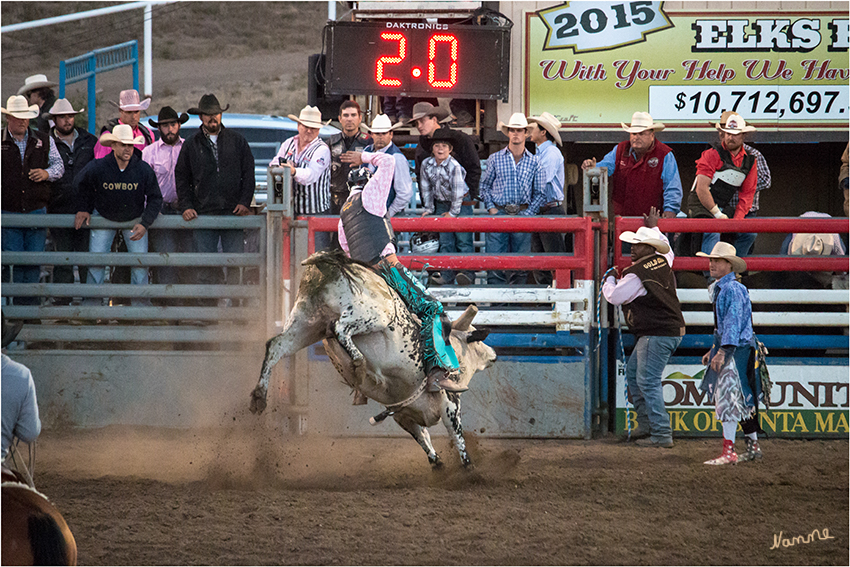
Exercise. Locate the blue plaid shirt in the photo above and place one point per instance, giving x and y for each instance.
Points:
(506, 182)
(55, 166)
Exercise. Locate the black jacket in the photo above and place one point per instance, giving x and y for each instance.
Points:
(117, 195)
(63, 198)
(20, 195)
(212, 188)
(465, 153)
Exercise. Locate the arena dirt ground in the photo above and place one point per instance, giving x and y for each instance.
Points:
(149, 496)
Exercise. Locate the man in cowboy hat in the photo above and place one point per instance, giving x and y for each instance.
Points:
(722, 172)
(808, 244)
(309, 160)
(121, 188)
(401, 189)
(19, 413)
(130, 108)
(543, 131)
(31, 162)
(647, 292)
(162, 157)
(214, 176)
(513, 184)
(39, 91)
(735, 401)
(642, 171)
(350, 139)
(76, 146)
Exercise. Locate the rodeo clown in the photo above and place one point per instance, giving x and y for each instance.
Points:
(366, 235)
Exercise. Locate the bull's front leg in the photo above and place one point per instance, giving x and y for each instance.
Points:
(451, 419)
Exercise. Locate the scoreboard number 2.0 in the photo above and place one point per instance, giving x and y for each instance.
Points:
(413, 59)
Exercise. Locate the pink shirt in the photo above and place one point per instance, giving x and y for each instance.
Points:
(162, 158)
(100, 151)
(375, 193)
(630, 287)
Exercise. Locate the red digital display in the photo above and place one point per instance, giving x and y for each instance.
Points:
(417, 59)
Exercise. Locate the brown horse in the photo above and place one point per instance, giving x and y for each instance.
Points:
(33, 530)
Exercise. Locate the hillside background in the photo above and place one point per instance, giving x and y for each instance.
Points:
(251, 55)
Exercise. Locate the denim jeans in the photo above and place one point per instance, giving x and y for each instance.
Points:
(24, 240)
(100, 241)
(455, 241)
(549, 242)
(643, 373)
(206, 240)
(503, 243)
(743, 240)
(168, 241)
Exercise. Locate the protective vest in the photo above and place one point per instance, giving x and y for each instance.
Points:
(339, 144)
(658, 313)
(367, 234)
(20, 195)
(728, 179)
(636, 184)
(392, 150)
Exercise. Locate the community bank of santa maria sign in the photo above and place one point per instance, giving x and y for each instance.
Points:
(592, 64)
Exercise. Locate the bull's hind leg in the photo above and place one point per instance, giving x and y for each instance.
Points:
(422, 437)
(347, 326)
(451, 419)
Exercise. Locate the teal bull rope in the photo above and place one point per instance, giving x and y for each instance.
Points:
(617, 310)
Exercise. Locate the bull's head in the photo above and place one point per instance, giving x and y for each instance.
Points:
(472, 354)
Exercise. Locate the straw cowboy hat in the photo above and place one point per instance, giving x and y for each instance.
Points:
(18, 107)
(381, 125)
(121, 134)
(517, 121)
(423, 109)
(168, 115)
(811, 245)
(129, 101)
(550, 123)
(645, 235)
(734, 124)
(35, 82)
(60, 107)
(725, 251)
(208, 105)
(310, 116)
(642, 121)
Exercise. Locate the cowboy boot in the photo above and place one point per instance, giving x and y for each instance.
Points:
(728, 457)
(753, 452)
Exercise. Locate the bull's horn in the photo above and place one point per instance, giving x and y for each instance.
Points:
(462, 323)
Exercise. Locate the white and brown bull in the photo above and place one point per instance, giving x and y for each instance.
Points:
(374, 343)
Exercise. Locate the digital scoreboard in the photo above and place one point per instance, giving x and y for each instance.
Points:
(417, 60)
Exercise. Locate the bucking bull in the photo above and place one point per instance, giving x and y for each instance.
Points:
(374, 343)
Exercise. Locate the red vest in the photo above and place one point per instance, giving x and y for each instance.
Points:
(636, 185)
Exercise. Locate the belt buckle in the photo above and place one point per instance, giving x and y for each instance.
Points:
(512, 209)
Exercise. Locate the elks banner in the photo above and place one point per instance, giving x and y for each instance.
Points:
(592, 64)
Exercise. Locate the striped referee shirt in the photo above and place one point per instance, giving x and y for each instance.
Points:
(312, 182)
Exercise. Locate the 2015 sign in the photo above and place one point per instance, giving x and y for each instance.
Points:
(597, 26)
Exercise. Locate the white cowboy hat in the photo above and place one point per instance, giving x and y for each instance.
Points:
(735, 124)
(645, 235)
(381, 125)
(18, 107)
(550, 123)
(62, 106)
(310, 116)
(35, 82)
(642, 121)
(129, 101)
(517, 120)
(121, 134)
(725, 251)
(811, 245)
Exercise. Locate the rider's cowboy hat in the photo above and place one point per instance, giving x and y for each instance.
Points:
(645, 235)
(208, 105)
(642, 121)
(734, 124)
(517, 121)
(18, 107)
(381, 125)
(168, 115)
(129, 101)
(725, 251)
(121, 134)
(60, 107)
(310, 116)
(550, 123)
(423, 109)
(35, 82)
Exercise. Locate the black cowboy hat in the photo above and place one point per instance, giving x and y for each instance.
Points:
(168, 115)
(446, 135)
(208, 105)
(10, 331)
